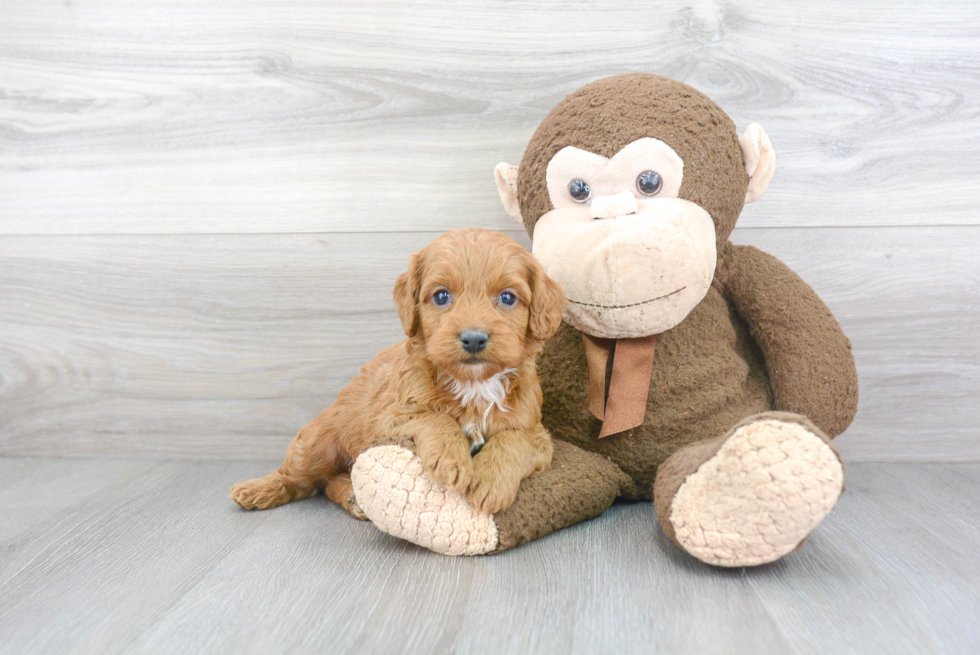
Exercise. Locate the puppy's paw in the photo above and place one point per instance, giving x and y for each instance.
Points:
(260, 493)
(452, 468)
(354, 509)
(491, 492)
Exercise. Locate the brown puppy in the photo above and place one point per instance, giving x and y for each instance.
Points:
(476, 307)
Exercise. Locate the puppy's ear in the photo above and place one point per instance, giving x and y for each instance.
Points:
(547, 302)
(406, 295)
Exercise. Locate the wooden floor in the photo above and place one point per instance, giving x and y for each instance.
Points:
(107, 556)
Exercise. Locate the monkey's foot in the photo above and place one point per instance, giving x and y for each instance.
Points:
(752, 496)
(394, 491)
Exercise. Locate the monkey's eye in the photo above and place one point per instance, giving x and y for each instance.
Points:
(649, 183)
(441, 297)
(579, 190)
(507, 298)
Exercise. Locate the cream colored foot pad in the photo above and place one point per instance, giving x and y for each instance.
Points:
(767, 487)
(401, 499)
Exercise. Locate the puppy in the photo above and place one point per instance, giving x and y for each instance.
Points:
(476, 307)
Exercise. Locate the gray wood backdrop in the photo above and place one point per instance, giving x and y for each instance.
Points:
(204, 204)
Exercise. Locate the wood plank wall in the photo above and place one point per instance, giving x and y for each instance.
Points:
(204, 203)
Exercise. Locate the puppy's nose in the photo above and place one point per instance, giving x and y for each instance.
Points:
(474, 340)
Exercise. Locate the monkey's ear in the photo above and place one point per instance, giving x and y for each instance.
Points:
(547, 303)
(760, 160)
(406, 295)
(506, 176)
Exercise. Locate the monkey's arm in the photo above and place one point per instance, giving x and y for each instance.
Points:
(808, 358)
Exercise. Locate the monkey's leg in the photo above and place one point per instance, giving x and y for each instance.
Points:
(751, 496)
(393, 490)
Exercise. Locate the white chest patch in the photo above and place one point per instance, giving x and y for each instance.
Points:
(490, 392)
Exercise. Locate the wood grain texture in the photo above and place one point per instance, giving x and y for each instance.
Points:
(900, 532)
(160, 560)
(224, 346)
(203, 205)
(225, 117)
(44, 500)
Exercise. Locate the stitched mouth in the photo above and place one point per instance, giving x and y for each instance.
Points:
(635, 304)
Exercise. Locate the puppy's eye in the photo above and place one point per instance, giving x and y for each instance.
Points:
(507, 298)
(441, 297)
(579, 190)
(649, 183)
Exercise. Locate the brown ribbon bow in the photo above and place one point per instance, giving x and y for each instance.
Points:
(629, 382)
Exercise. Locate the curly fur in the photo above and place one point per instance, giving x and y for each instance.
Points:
(428, 386)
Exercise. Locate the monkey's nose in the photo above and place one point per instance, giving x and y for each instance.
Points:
(619, 204)
(474, 340)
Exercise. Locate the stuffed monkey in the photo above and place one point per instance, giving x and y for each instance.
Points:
(703, 376)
